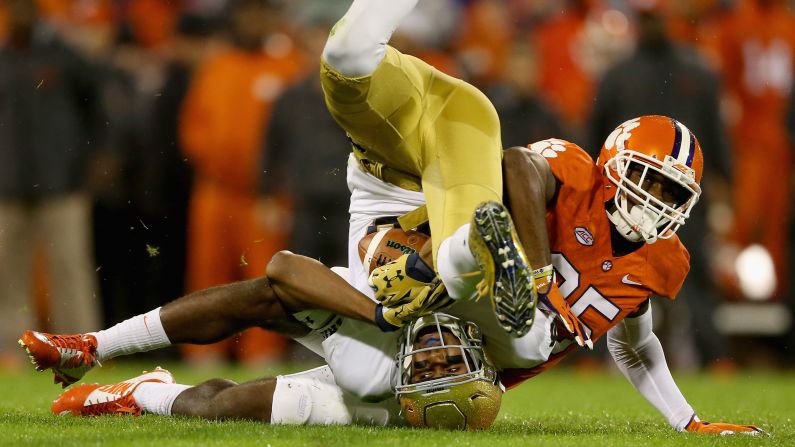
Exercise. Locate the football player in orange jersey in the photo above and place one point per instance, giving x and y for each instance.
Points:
(609, 231)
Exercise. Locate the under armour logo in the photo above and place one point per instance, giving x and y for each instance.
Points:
(398, 277)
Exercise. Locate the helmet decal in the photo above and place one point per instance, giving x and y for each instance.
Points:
(684, 144)
(618, 138)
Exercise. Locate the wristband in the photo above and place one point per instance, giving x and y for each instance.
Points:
(417, 269)
(543, 277)
(382, 324)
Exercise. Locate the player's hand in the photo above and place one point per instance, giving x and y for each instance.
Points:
(554, 301)
(428, 299)
(399, 281)
(696, 425)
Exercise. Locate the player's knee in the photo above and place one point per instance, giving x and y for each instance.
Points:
(453, 261)
(302, 401)
(200, 400)
(244, 402)
(351, 56)
(359, 382)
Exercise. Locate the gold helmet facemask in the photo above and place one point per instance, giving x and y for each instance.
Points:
(466, 396)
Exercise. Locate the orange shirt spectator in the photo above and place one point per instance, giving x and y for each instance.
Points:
(698, 23)
(574, 47)
(222, 128)
(758, 53)
(223, 118)
(564, 80)
(486, 38)
(153, 22)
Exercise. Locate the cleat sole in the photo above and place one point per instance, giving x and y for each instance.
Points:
(506, 271)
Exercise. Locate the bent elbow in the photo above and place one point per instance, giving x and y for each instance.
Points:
(279, 265)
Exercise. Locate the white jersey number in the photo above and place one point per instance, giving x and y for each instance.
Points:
(591, 298)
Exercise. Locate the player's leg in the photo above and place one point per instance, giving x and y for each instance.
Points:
(201, 317)
(463, 183)
(220, 399)
(296, 283)
(309, 397)
(372, 90)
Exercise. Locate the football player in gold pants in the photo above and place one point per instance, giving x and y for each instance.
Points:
(419, 129)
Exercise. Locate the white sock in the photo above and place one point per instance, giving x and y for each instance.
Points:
(138, 334)
(457, 266)
(158, 398)
(358, 41)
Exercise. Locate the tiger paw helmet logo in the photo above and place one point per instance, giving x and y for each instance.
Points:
(621, 134)
(549, 148)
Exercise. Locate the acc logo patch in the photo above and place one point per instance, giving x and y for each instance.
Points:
(583, 236)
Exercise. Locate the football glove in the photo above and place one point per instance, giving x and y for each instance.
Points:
(426, 300)
(553, 300)
(696, 425)
(399, 281)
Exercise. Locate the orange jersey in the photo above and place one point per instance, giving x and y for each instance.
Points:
(602, 289)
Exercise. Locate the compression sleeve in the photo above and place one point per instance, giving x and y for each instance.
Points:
(639, 355)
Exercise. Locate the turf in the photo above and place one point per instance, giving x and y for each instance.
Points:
(560, 408)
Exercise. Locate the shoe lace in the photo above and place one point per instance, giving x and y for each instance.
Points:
(86, 354)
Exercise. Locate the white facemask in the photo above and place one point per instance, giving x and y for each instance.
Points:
(645, 218)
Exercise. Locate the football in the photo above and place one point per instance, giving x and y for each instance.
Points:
(388, 244)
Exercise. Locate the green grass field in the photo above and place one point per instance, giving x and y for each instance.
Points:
(560, 408)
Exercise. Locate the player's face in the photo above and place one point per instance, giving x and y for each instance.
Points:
(437, 363)
(659, 186)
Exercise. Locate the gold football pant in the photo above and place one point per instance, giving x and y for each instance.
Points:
(416, 120)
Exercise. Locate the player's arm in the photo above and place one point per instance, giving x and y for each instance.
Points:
(639, 355)
(530, 188)
(303, 283)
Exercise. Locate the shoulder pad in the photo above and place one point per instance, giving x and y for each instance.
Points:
(570, 164)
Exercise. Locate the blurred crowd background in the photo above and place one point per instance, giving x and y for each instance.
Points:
(150, 148)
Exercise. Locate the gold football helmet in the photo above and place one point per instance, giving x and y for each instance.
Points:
(446, 381)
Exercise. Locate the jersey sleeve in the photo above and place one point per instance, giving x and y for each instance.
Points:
(570, 164)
